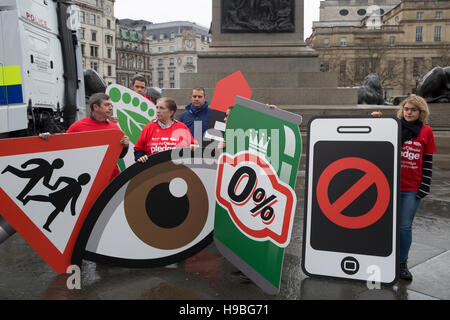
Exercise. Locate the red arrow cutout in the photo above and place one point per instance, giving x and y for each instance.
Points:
(227, 89)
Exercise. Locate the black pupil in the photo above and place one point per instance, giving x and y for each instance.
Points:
(165, 210)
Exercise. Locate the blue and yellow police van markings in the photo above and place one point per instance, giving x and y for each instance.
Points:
(10, 85)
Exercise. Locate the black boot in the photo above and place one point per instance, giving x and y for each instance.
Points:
(404, 272)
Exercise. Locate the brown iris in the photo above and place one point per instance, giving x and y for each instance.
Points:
(159, 218)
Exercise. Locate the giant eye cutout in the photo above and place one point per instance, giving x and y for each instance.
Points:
(152, 214)
(162, 218)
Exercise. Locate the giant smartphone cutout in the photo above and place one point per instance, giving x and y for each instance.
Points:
(352, 182)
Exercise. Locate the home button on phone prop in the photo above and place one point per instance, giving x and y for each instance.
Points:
(350, 265)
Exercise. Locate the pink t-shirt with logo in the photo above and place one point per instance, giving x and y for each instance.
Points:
(154, 139)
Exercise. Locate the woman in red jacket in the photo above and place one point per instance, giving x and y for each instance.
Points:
(164, 133)
(418, 147)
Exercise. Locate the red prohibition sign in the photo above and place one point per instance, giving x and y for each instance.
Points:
(334, 211)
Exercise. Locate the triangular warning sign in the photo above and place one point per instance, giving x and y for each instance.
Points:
(48, 187)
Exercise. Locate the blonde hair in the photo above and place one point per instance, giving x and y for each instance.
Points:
(419, 103)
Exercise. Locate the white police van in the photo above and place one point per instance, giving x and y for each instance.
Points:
(41, 75)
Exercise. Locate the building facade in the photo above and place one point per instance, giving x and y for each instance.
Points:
(133, 54)
(335, 13)
(172, 49)
(401, 45)
(97, 37)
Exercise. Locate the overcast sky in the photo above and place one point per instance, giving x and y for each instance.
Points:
(198, 11)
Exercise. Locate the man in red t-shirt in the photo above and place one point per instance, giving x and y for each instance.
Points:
(101, 110)
(139, 85)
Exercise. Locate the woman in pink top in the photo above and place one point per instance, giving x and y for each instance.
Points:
(164, 133)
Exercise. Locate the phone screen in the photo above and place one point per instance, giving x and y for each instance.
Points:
(329, 234)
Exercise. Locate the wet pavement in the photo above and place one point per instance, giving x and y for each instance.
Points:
(209, 276)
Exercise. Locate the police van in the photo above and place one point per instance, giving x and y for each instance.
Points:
(41, 76)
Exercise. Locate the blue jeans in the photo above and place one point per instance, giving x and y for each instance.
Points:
(408, 207)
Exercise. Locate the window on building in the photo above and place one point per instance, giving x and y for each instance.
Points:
(437, 33)
(419, 36)
(438, 15)
(189, 60)
(82, 48)
(150, 63)
(326, 42)
(92, 18)
(109, 71)
(172, 48)
(109, 39)
(172, 35)
(82, 33)
(160, 49)
(160, 62)
(392, 40)
(362, 12)
(343, 69)
(94, 51)
(82, 16)
(109, 53)
(94, 35)
(108, 23)
(388, 93)
(172, 75)
(172, 85)
(420, 15)
(94, 65)
(150, 37)
(161, 36)
(172, 61)
(160, 75)
(343, 41)
(417, 63)
(391, 68)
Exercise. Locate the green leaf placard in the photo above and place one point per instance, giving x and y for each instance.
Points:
(134, 112)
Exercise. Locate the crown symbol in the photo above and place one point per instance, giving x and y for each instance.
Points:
(260, 146)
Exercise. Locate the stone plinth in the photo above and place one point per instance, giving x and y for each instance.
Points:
(258, 51)
(278, 66)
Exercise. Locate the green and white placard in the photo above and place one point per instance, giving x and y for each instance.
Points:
(134, 112)
(255, 194)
